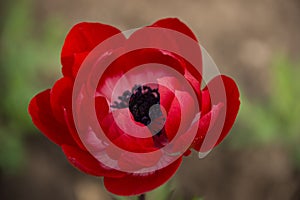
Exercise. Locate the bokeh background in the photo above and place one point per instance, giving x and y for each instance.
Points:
(256, 42)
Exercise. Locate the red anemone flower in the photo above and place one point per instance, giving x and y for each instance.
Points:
(133, 124)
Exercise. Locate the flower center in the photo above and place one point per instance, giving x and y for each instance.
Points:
(144, 104)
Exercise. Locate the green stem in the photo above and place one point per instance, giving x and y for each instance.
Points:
(142, 197)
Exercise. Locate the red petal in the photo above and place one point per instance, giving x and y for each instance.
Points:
(233, 105)
(228, 109)
(171, 44)
(101, 107)
(173, 119)
(191, 74)
(205, 103)
(42, 117)
(134, 162)
(61, 98)
(78, 59)
(135, 184)
(85, 162)
(166, 97)
(123, 140)
(61, 102)
(207, 121)
(175, 24)
(134, 59)
(82, 38)
(181, 113)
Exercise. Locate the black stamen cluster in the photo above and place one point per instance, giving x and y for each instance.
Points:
(140, 102)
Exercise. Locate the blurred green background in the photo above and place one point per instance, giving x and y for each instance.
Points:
(256, 42)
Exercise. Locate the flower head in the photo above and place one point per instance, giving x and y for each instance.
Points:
(130, 106)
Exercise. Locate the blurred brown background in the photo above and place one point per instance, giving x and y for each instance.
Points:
(257, 42)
